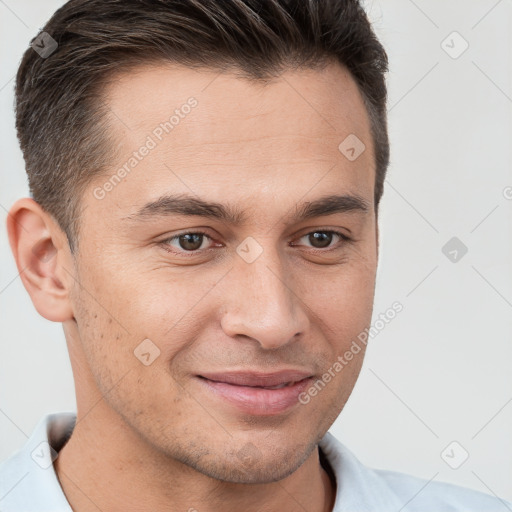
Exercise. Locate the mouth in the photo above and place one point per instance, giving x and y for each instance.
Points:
(277, 386)
(260, 395)
(273, 380)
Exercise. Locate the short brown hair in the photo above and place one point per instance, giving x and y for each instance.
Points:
(61, 120)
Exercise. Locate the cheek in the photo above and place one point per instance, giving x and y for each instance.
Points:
(342, 298)
(125, 367)
(107, 340)
(103, 340)
(145, 298)
(131, 331)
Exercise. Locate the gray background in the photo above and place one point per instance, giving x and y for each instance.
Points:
(440, 371)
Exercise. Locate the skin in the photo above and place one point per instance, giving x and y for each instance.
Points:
(150, 437)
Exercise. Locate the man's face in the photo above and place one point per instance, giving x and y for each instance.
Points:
(268, 292)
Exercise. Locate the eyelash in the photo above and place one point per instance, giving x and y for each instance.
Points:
(166, 243)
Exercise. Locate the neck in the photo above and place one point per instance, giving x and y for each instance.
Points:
(107, 466)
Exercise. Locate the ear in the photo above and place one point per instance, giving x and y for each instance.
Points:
(43, 258)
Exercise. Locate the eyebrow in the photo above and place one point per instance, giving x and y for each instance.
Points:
(183, 204)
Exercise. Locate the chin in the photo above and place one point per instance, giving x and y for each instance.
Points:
(251, 467)
(266, 473)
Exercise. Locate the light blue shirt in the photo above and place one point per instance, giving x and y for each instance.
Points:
(28, 482)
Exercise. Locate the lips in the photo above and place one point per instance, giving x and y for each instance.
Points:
(274, 380)
(255, 393)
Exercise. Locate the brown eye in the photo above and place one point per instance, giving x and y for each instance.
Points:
(191, 241)
(186, 242)
(326, 239)
(320, 239)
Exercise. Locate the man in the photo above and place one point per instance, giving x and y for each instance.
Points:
(205, 182)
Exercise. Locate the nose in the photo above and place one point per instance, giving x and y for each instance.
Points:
(261, 303)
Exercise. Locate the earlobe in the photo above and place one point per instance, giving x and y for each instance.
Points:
(41, 251)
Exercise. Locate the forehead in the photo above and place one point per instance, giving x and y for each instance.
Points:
(323, 100)
(213, 133)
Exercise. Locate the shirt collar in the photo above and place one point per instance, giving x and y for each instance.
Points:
(29, 481)
(357, 487)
